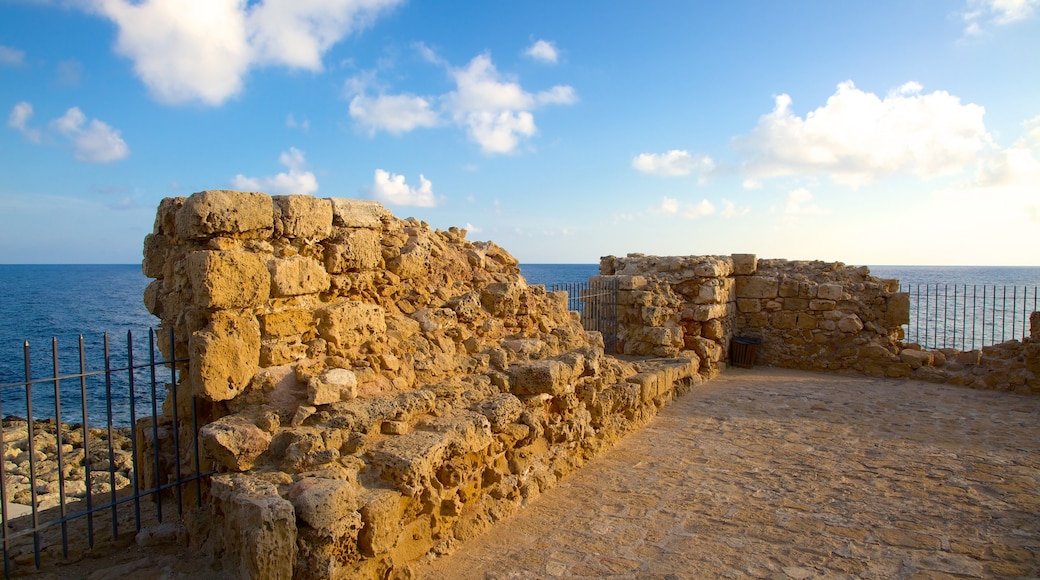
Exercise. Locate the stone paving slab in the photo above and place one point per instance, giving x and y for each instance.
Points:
(782, 474)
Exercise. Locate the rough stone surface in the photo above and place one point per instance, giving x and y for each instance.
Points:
(259, 528)
(231, 213)
(225, 355)
(233, 442)
(228, 279)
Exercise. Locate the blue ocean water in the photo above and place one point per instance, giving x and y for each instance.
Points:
(41, 302)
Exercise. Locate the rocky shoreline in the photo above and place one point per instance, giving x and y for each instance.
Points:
(105, 468)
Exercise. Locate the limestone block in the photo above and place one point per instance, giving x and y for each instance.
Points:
(288, 323)
(706, 349)
(276, 352)
(331, 386)
(297, 275)
(326, 505)
(166, 216)
(757, 287)
(552, 377)
(348, 324)
(655, 315)
(916, 358)
(467, 307)
(898, 309)
(155, 255)
(355, 250)
(749, 305)
(381, 519)
(714, 268)
(850, 324)
(233, 442)
(705, 312)
(1034, 325)
(411, 461)
(358, 213)
(502, 299)
(744, 264)
(790, 288)
(796, 304)
(971, 357)
(228, 279)
(631, 282)
(712, 329)
(302, 216)
(830, 292)
(225, 213)
(784, 320)
(224, 355)
(500, 409)
(413, 262)
(259, 527)
(434, 319)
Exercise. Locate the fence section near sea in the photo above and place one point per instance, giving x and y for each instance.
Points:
(72, 473)
(596, 302)
(969, 316)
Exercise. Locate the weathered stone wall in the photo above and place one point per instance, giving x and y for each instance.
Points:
(822, 316)
(371, 390)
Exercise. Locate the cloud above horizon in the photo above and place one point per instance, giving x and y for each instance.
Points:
(294, 181)
(201, 50)
(544, 51)
(391, 189)
(92, 142)
(673, 163)
(858, 137)
(11, 56)
(496, 112)
(980, 14)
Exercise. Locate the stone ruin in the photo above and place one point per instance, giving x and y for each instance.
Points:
(372, 391)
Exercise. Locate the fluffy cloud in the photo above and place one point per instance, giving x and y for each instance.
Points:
(391, 189)
(296, 180)
(496, 110)
(982, 13)
(93, 142)
(858, 137)
(19, 119)
(544, 51)
(672, 206)
(392, 113)
(200, 50)
(730, 210)
(800, 202)
(674, 162)
(11, 56)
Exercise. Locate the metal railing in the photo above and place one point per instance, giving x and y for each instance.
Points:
(596, 302)
(968, 317)
(108, 468)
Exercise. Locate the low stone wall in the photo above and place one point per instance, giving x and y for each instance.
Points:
(822, 316)
(372, 390)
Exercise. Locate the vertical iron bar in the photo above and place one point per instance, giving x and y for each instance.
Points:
(954, 344)
(86, 442)
(974, 313)
(946, 303)
(927, 313)
(1003, 315)
(30, 429)
(176, 423)
(111, 435)
(155, 427)
(58, 444)
(3, 503)
(917, 315)
(133, 429)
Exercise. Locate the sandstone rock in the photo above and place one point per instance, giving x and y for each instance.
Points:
(228, 279)
(500, 409)
(331, 386)
(850, 324)
(898, 309)
(830, 292)
(302, 216)
(219, 212)
(358, 213)
(233, 442)
(326, 505)
(757, 287)
(258, 536)
(348, 323)
(224, 355)
(432, 320)
(355, 250)
(381, 516)
(916, 358)
(552, 377)
(502, 299)
(744, 264)
(297, 275)
(285, 323)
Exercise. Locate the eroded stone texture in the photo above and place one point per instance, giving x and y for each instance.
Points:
(231, 213)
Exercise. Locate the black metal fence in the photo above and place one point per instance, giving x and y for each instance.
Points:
(968, 317)
(72, 460)
(596, 302)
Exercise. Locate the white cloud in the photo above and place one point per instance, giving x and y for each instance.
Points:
(393, 113)
(19, 119)
(981, 14)
(496, 110)
(391, 189)
(730, 210)
(201, 50)
(800, 202)
(858, 137)
(93, 142)
(672, 163)
(472, 229)
(672, 206)
(544, 51)
(11, 56)
(296, 180)
(292, 123)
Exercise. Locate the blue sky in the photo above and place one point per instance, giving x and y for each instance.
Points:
(882, 132)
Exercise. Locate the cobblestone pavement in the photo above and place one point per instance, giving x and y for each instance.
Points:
(782, 474)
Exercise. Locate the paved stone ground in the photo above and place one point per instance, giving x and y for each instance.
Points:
(781, 474)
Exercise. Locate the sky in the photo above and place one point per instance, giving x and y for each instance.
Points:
(880, 132)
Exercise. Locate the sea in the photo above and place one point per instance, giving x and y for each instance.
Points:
(45, 309)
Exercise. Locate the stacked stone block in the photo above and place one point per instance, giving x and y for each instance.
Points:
(372, 390)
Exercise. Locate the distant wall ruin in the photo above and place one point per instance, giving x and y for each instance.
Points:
(372, 390)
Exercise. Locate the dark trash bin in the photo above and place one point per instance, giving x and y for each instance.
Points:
(742, 351)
